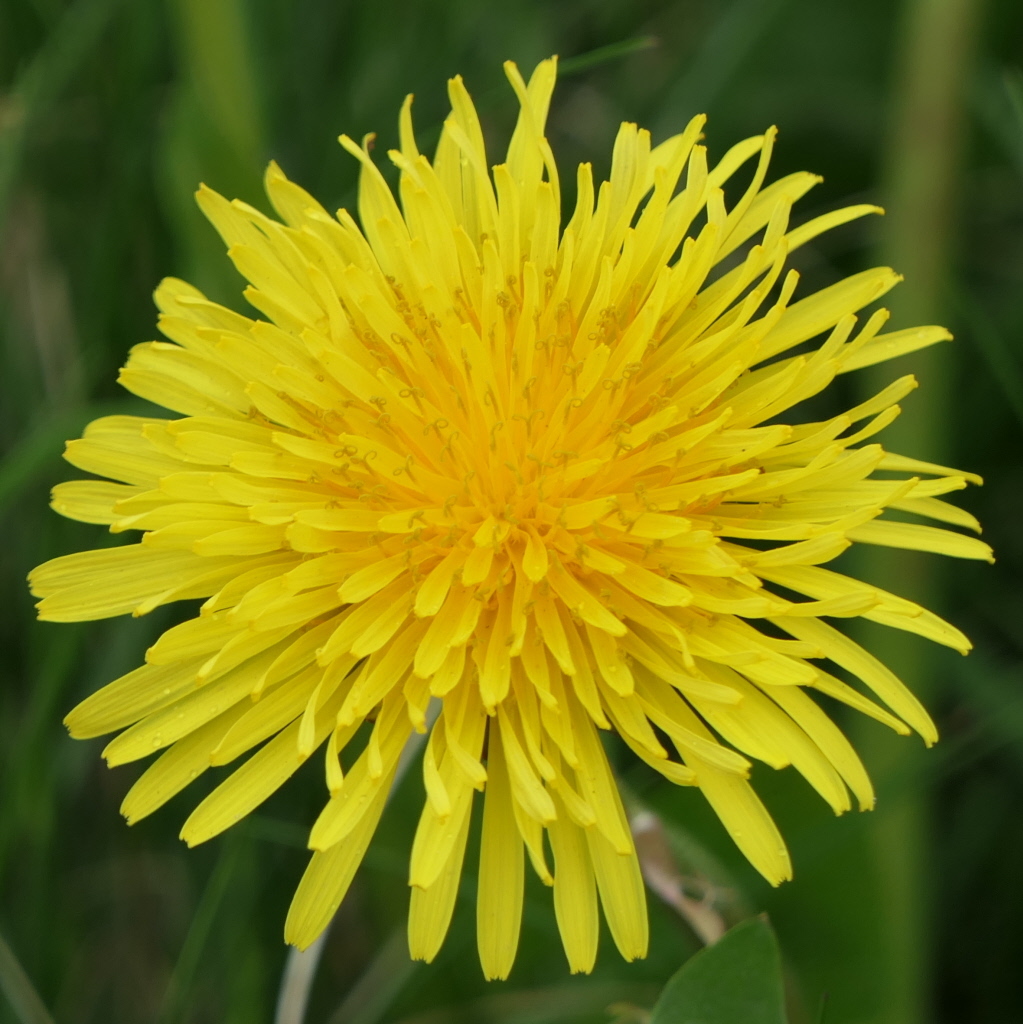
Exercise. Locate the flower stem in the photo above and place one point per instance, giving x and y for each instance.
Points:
(922, 183)
(300, 967)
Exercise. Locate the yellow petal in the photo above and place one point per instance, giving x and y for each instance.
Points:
(575, 893)
(186, 714)
(174, 769)
(430, 909)
(126, 700)
(328, 876)
(879, 678)
(621, 895)
(499, 898)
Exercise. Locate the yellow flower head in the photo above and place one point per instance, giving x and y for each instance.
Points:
(511, 485)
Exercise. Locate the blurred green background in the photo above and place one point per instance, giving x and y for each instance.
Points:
(112, 111)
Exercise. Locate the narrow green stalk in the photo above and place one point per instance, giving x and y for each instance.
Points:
(380, 984)
(301, 966)
(603, 54)
(16, 985)
(213, 131)
(179, 988)
(921, 186)
(40, 85)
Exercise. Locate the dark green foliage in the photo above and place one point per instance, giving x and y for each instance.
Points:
(736, 981)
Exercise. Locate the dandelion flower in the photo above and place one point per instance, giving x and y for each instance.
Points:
(538, 477)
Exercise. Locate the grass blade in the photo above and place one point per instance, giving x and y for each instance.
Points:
(41, 83)
(720, 57)
(380, 984)
(40, 446)
(174, 1006)
(603, 54)
(19, 990)
(986, 335)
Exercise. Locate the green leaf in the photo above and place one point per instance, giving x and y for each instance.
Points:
(736, 981)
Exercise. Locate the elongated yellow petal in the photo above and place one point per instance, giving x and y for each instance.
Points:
(430, 909)
(621, 895)
(499, 898)
(575, 893)
(246, 788)
(829, 738)
(260, 776)
(133, 696)
(881, 680)
(437, 836)
(921, 538)
(328, 876)
(184, 762)
(170, 723)
(90, 501)
(111, 581)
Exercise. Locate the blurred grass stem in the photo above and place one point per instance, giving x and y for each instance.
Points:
(733, 36)
(174, 1005)
(602, 54)
(1002, 362)
(922, 172)
(300, 968)
(19, 990)
(381, 983)
(213, 129)
(43, 81)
